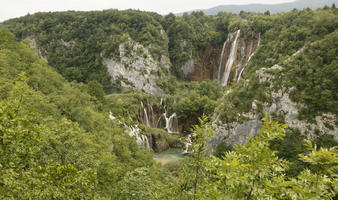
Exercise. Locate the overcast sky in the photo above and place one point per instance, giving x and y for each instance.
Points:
(16, 8)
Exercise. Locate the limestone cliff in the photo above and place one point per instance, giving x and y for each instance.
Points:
(136, 68)
(281, 105)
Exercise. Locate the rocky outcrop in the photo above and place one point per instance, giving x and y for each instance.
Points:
(135, 68)
(38, 51)
(282, 106)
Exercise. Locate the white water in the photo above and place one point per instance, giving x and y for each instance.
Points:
(231, 59)
(187, 144)
(146, 117)
(171, 123)
(133, 132)
(251, 55)
(111, 116)
(221, 61)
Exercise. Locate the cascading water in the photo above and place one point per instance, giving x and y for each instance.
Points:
(251, 55)
(230, 61)
(133, 132)
(111, 116)
(187, 144)
(171, 123)
(146, 117)
(258, 43)
(219, 77)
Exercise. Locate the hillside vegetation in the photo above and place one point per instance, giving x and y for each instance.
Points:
(67, 131)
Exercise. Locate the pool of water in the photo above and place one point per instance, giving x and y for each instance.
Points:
(169, 156)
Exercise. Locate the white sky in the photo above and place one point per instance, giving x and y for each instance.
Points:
(16, 8)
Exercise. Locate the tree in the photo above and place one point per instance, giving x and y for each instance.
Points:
(95, 89)
(24, 172)
(253, 171)
(195, 168)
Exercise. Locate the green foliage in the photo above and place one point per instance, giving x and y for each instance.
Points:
(95, 89)
(222, 149)
(254, 171)
(27, 170)
(314, 75)
(195, 168)
(197, 99)
(55, 141)
(126, 106)
(75, 43)
(310, 75)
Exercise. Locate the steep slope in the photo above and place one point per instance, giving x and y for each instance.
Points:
(57, 141)
(79, 44)
(296, 86)
(229, 49)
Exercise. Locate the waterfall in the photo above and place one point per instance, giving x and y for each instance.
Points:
(136, 132)
(187, 144)
(258, 43)
(154, 119)
(231, 59)
(133, 132)
(146, 117)
(240, 74)
(251, 55)
(221, 61)
(171, 123)
(111, 116)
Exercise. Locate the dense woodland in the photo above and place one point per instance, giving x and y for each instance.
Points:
(57, 141)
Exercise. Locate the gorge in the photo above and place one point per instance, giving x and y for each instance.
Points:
(135, 105)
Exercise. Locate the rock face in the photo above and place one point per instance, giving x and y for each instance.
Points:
(136, 69)
(236, 53)
(38, 51)
(225, 64)
(281, 105)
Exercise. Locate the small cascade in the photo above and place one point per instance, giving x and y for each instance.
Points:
(133, 132)
(157, 116)
(136, 132)
(146, 117)
(187, 144)
(258, 43)
(230, 61)
(111, 116)
(171, 123)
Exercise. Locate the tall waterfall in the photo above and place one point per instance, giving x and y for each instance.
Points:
(231, 59)
(219, 77)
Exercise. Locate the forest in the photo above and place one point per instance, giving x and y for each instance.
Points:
(66, 129)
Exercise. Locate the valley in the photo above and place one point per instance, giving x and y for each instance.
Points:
(135, 105)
